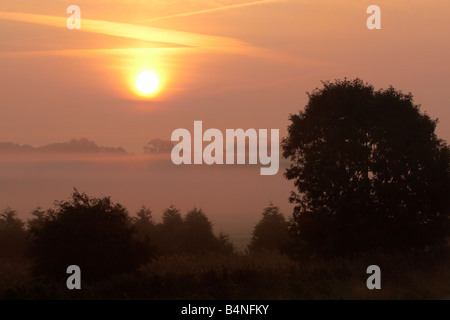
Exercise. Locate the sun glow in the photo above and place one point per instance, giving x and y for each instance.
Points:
(147, 83)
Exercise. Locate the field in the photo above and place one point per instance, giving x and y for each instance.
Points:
(257, 276)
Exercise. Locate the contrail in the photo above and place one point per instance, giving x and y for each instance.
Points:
(193, 13)
(132, 31)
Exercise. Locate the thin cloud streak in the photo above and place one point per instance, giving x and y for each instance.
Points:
(193, 13)
(107, 51)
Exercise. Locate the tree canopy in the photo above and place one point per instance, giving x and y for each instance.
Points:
(189, 234)
(93, 233)
(271, 232)
(369, 171)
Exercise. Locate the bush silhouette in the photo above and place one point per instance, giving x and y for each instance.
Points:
(271, 232)
(93, 233)
(369, 171)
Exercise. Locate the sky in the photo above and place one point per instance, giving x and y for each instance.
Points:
(229, 63)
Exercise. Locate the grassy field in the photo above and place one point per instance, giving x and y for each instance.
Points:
(261, 276)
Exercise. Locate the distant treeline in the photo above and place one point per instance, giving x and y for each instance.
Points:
(82, 146)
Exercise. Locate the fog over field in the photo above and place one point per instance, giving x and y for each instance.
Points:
(233, 196)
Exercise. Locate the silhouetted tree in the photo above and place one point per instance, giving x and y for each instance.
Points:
(369, 171)
(144, 224)
(170, 232)
(158, 146)
(271, 232)
(199, 236)
(93, 233)
(13, 236)
(145, 229)
(38, 219)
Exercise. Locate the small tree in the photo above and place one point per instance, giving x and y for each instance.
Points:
(38, 219)
(199, 236)
(144, 225)
(271, 232)
(170, 232)
(13, 236)
(93, 233)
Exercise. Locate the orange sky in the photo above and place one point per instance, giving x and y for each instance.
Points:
(229, 63)
(242, 66)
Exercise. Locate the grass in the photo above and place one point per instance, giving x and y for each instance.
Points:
(257, 276)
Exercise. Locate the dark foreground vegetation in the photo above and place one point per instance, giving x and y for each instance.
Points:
(255, 276)
(181, 258)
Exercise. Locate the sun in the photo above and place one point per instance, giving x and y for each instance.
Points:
(147, 82)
